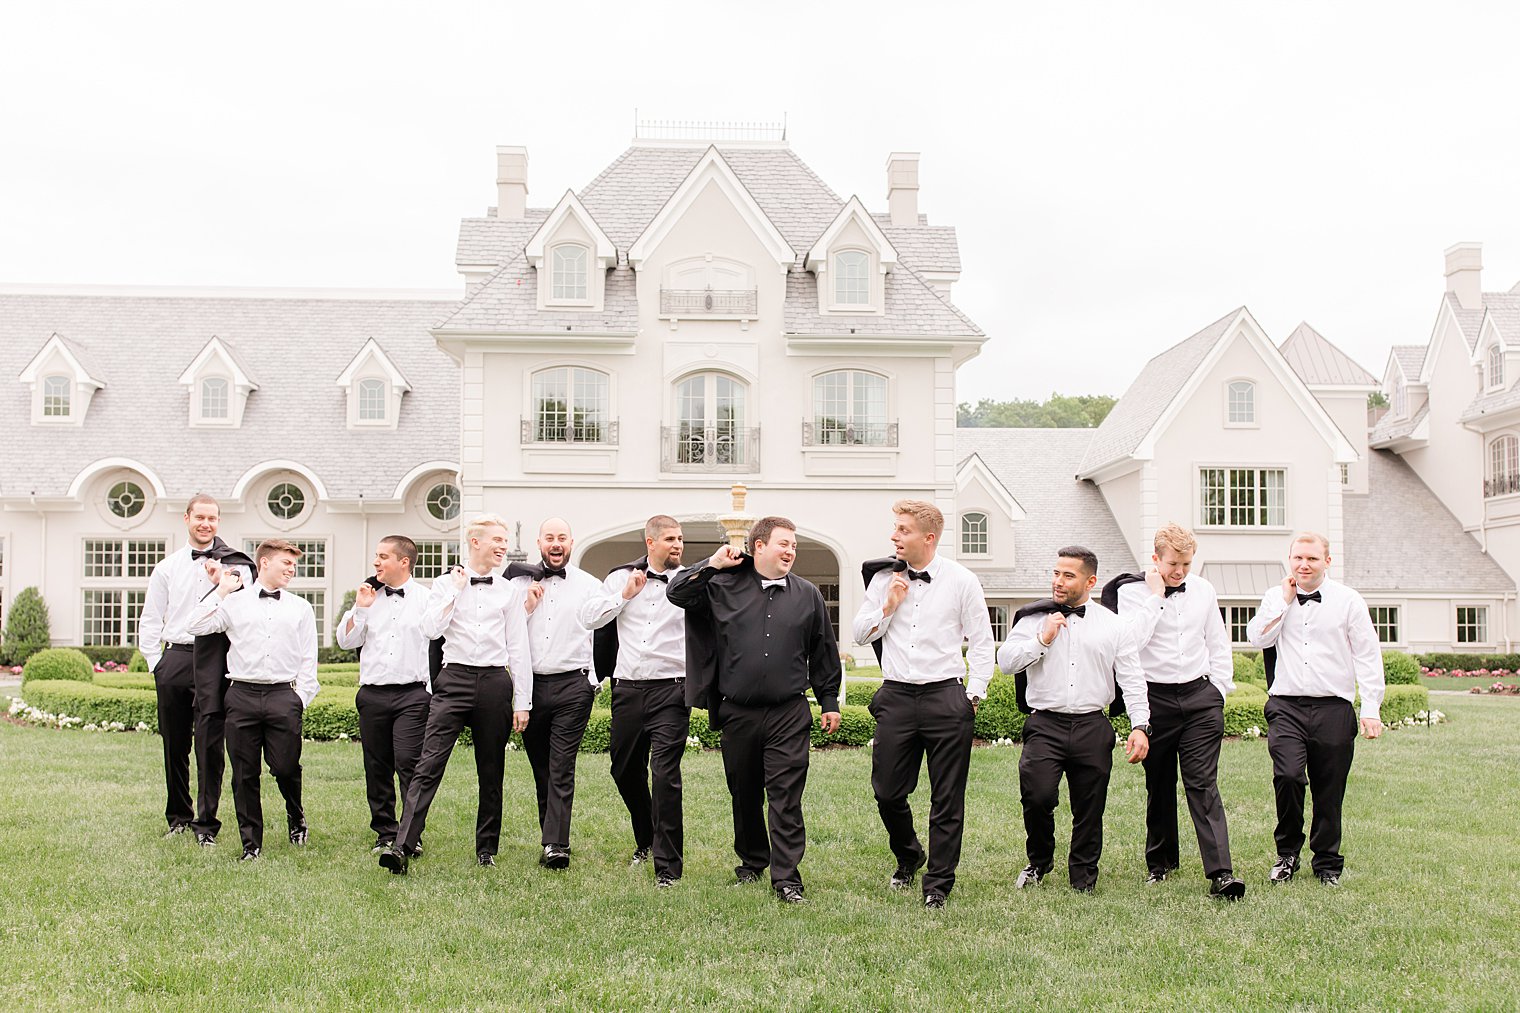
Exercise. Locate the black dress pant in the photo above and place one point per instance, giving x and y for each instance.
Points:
(912, 721)
(174, 682)
(650, 723)
(765, 758)
(1187, 729)
(264, 725)
(481, 697)
(1081, 746)
(392, 720)
(1313, 736)
(552, 740)
(210, 746)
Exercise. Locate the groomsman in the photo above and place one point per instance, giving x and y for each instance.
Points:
(921, 614)
(768, 636)
(272, 667)
(1185, 654)
(641, 646)
(186, 716)
(1071, 654)
(554, 592)
(486, 675)
(385, 627)
(1327, 649)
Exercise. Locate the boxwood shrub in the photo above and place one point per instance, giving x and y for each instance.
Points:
(1400, 669)
(1248, 668)
(1401, 701)
(138, 663)
(1470, 662)
(64, 663)
(858, 692)
(123, 680)
(93, 704)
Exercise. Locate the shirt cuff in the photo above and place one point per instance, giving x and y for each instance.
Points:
(977, 688)
(828, 703)
(1374, 711)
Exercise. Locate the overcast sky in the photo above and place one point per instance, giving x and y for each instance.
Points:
(1120, 174)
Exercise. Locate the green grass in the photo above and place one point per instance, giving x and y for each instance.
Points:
(1461, 684)
(98, 911)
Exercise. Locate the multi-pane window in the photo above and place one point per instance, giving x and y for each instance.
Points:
(434, 558)
(116, 586)
(1242, 402)
(443, 501)
(1472, 624)
(372, 400)
(1345, 474)
(310, 581)
(1400, 402)
(286, 501)
(570, 272)
(974, 534)
(850, 407)
(830, 594)
(1243, 497)
(570, 405)
(852, 278)
(998, 615)
(1236, 619)
(56, 391)
(1495, 365)
(125, 499)
(1385, 619)
(1504, 462)
(214, 397)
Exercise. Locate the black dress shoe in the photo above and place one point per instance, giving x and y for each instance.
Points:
(1283, 871)
(298, 835)
(394, 859)
(934, 901)
(382, 844)
(743, 876)
(640, 856)
(417, 850)
(175, 830)
(1085, 887)
(903, 876)
(1329, 878)
(1029, 877)
(250, 855)
(1226, 887)
(555, 856)
(486, 860)
(790, 894)
(666, 880)
(1157, 876)
(205, 840)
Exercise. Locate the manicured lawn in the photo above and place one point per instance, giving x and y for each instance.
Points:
(98, 911)
(1464, 684)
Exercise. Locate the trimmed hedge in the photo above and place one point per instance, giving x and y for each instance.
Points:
(1402, 702)
(94, 704)
(138, 663)
(63, 663)
(327, 677)
(1400, 669)
(124, 680)
(1469, 662)
(1248, 668)
(858, 692)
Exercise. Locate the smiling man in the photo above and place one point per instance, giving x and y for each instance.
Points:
(1327, 649)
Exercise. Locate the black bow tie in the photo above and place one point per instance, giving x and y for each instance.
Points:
(200, 553)
(923, 575)
(269, 594)
(663, 578)
(1175, 590)
(480, 580)
(394, 590)
(1074, 610)
(550, 571)
(1304, 599)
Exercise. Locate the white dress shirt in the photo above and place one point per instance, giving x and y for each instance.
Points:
(1182, 637)
(557, 639)
(273, 640)
(390, 632)
(485, 627)
(1075, 674)
(1324, 648)
(175, 587)
(651, 631)
(921, 641)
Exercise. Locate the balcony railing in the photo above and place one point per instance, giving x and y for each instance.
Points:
(553, 429)
(717, 302)
(826, 432)
(712, 449)
(1503, 485)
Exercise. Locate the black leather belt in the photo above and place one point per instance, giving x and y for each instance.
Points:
(179, 647)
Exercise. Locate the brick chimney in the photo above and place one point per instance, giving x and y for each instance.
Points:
(511, 181)
(902, 187)
(1464, 274)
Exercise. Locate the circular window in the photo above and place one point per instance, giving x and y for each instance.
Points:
(286, 501)
(443, 501)
(126, 499)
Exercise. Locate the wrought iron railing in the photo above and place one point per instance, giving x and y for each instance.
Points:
(1501, 485)
(552, 429)
(826, 432)
(727, 302)
(712, 448)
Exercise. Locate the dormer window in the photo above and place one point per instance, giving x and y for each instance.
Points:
(56, 391)
(1400, 407)
(851, 261)
(61, 385)
(1495, 366)
(219, 385)
(372, 400)
(215, 398)
(374, 387)
(852, 278)
(570, 255)
(1240, 403)
(569, 270)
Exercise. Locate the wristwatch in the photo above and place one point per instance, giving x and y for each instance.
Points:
(1141, 728)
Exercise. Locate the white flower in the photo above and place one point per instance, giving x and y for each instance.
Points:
(512, 747)
(342, 736)
(870, 742)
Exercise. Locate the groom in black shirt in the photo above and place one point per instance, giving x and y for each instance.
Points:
(757, 636)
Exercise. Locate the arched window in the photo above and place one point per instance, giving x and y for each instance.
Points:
(372, 400)
(1400, 401)
(1241, 401)
(1503, 466)
(710, 422)
(852, 278)
(570, 405)
(214, 400)
(56, 394)
(1495, 365)
(974, 534)
(569, 270)
(850, 407)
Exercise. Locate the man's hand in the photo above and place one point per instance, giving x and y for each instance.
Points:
(213, 569)
(1155, 582)
(976, 702)
(231, 580)
(897, 590)
(1136, 746)
(1054, 621)
(365, 596)
(520, 720)
(636, 581)
(1371, 728)
(460, 580)
(533, 597)
(829, 722)
(1290, 589)
(727, 556)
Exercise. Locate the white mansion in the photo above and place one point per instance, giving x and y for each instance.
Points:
(702, 314)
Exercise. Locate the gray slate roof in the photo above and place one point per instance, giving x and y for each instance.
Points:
(1411, 358)
(1382, 557)
(1470, 321)
(295, 347)
(1318, 362)
(1389, 429)
(1037, 466)
(1146, 400)
(630, 192)
(1488, 404)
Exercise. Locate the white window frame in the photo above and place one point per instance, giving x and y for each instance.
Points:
(1504, 462)
(1237, 614)
(837, 284)
(851, 416)
(378, 389)
(202, 412)
(1484, 624)
(573, 404)
(1259, 490)
(1399, 402)
(1240, 412)
(968, 531)
(1493, 373)
(1396, 621)
(564, 289)
(126, 584)
(65, 395)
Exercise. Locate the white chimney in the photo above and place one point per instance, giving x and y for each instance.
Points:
(902, 187)
(511, 181)
(1464, 274)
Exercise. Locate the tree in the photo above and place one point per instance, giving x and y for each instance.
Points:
(1377, 400)
(28, 630)
(336, 654)
(1060, 411)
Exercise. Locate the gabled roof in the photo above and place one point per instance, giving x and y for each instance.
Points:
(711, 168)
(912, 309)
(216, 348)
(853, 211)
(1390, 431)
(1382, 558)
(70, 352)
(1320, 364)
(1501, 315)
(506, 302)
(372, 352)
(1170, 379)
(1469, 322)
(1410, 360)
(974, 469)
(931, 249)
(570, 206)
